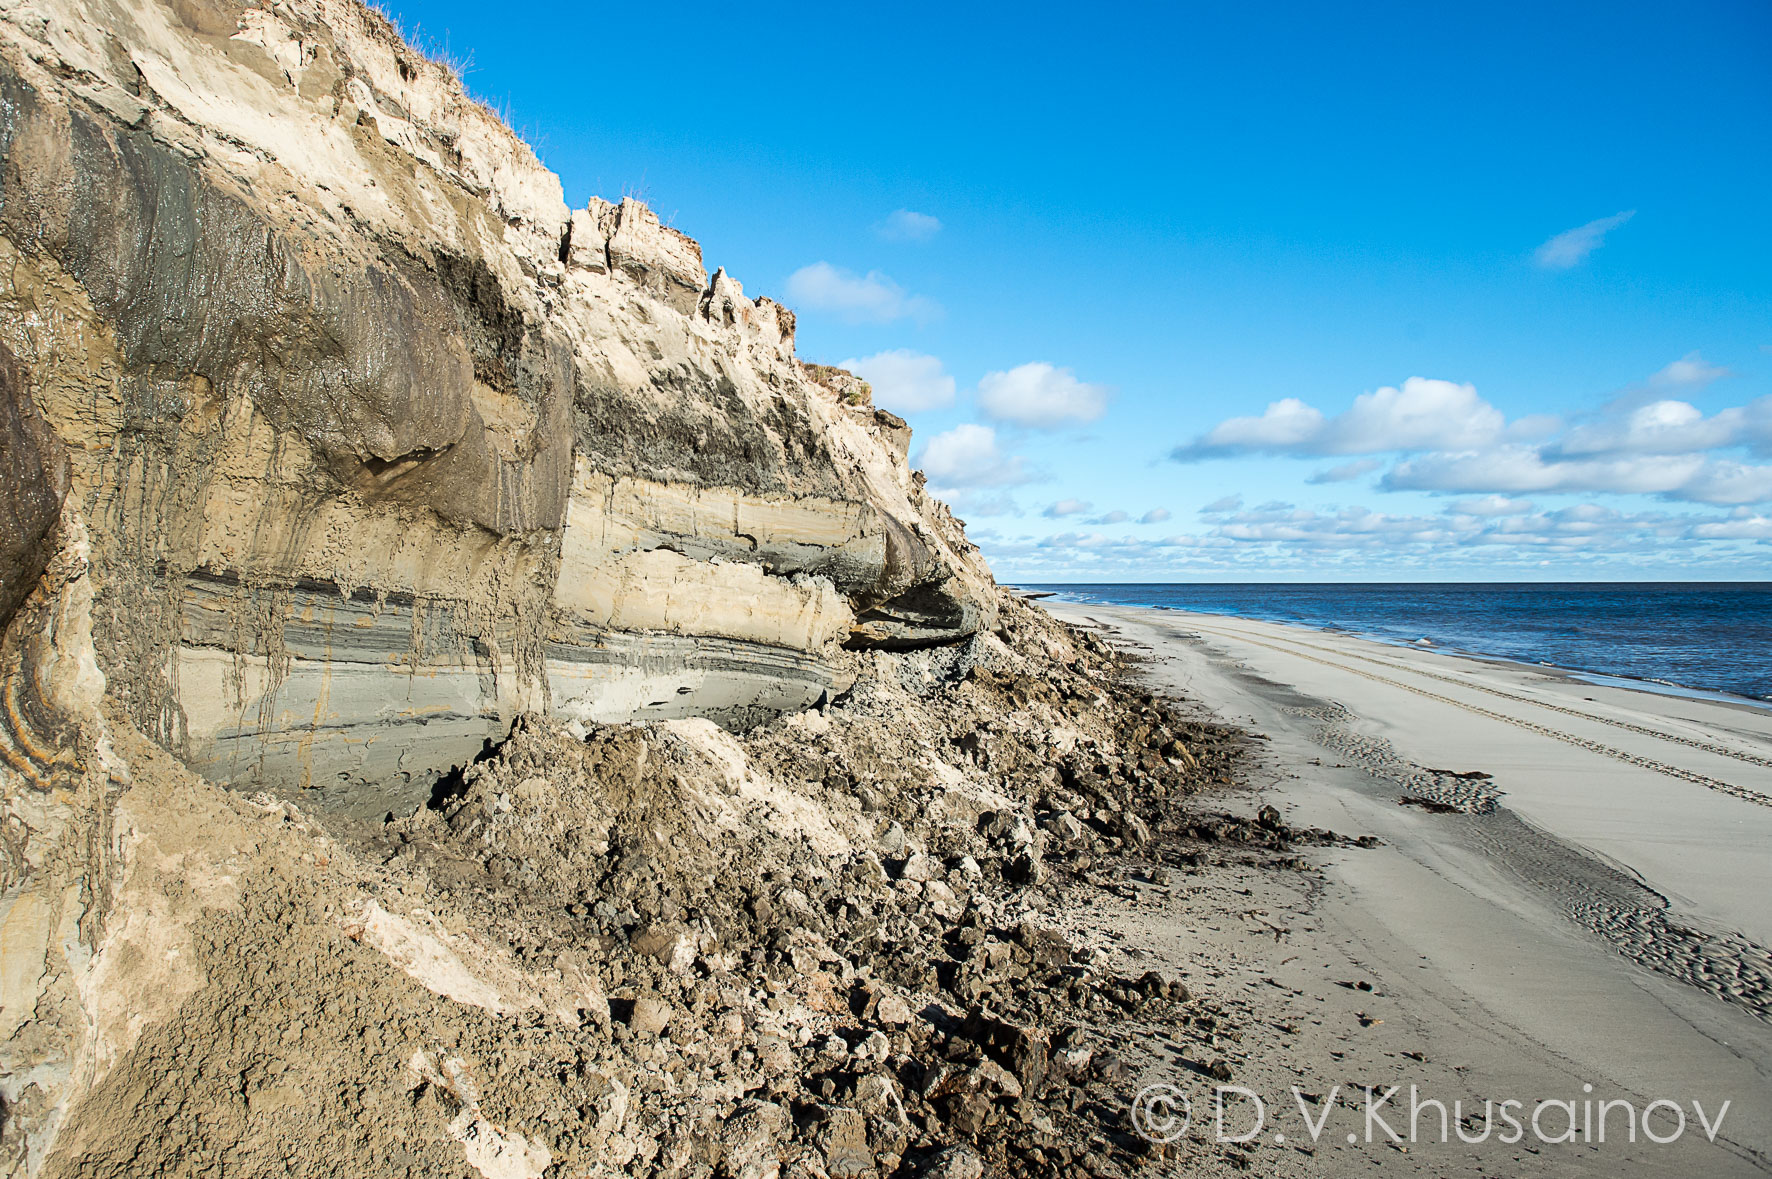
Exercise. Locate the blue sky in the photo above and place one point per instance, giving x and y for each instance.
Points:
(1503, 275)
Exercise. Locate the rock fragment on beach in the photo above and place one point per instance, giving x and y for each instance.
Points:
(953, 1162)
(649, 1016)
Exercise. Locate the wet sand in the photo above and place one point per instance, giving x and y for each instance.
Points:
(1575, 894)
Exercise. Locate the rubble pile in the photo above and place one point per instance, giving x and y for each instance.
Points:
(340, 451)
(819, 946)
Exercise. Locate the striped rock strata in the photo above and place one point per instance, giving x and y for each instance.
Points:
(359, 442)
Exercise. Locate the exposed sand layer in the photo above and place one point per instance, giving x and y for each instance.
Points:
(820, 949)
(1571, 891)
(377, 444)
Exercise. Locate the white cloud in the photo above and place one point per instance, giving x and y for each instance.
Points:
(1584, 538)
(1739, 528)
(1040, 396)
(1533, 427)
(1448, 439)
(1523, 469)
(905, 381)
(1067, 507)
(1580, 526)
(968, 456)
(1096, 540)
(1154, 516)
(1114, 517)
(1352, 527)
(1660, 427)
(903, 225)
(1285, 425)
(1424, 414)
(1224, 503)
(1346, 471)
(1571, 247)
(869, 298)
(1756, 426)
(1691, 371)
(1490, 505)
(1722, 482)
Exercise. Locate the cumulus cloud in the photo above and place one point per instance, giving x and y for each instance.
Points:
(1445, 438)
(1041, 396)
(1579, 527)
(1691, 371)
(869, 298)
(1756, 427)
(1490, 505)
(1508, 534)
(1067, 507)
(1224, 503)
(968, 456)
(1154, 516)
(1533, 427)
(905, 381)
(1571, 247)
(1690, 477)
(1522, 468)
(903, 225)
(1724, 482)
(1114, 517)
(1737, 528)
(1358, 526)
(1423, 414)
(1346, 471)
(1660, 427)
(1285, 425)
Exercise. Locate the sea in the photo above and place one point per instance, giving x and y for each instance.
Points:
(1683, 637)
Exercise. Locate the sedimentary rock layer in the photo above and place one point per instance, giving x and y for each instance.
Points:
(377, 443)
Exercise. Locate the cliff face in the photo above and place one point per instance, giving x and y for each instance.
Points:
(334, 448)
(351, 441)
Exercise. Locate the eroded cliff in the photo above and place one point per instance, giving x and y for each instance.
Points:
(376, 444)
(345, 470)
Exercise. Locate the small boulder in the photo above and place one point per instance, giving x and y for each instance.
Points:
(918, 867)
(990, 1077)
(892, 1010)
(649, 1015)
(749, 1138)
(1133, 830)
(942, 900)
(954, 1162)
(841, 1134)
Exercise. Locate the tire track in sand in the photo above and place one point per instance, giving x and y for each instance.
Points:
(1705, 780)
(1633, 919)
(1693, 743)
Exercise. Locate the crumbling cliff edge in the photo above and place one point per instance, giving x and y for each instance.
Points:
(377, 444)
(474, 702)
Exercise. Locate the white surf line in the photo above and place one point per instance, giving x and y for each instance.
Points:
(1737, 754)
(1717, 784)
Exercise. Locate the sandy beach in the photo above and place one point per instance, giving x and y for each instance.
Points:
(1569, 891)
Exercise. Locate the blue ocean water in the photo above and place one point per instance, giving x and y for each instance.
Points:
(1708, 636)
